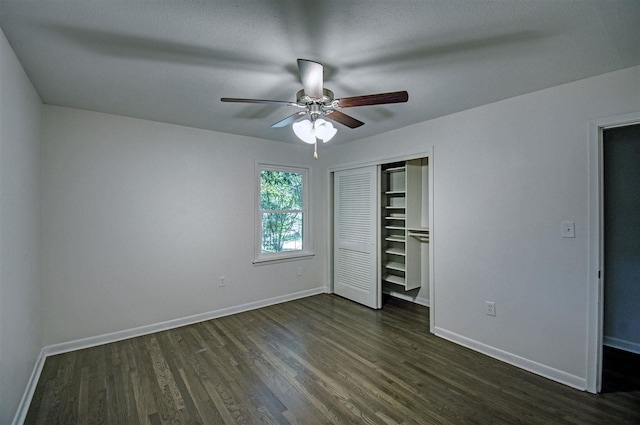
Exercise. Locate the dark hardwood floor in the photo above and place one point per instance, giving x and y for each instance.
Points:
(620, 370)
(318, 360)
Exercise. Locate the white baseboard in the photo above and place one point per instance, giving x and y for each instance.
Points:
(422, 301)
(403, 296)
(93, 341)
(175, 323)
(621, 344)
(25, 402)
(515, 360)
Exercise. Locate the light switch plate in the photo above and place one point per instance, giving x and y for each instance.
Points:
(568, 229)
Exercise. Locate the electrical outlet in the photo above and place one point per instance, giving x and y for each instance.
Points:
(299, 271)
(490, 308)
(222, 281)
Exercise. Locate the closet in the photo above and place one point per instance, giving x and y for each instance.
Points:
(381, 234)
(403, 228)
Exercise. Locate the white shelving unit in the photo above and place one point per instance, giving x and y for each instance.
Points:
(402, 233)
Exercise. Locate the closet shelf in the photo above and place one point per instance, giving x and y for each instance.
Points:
(395, 217)
(392, 278)
(395, 169)
(418, 229)
(395, 265)
(395, 238)
(395, 251)
(395, 192)
(394, 227)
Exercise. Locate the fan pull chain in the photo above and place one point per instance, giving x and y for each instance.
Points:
(315, 150)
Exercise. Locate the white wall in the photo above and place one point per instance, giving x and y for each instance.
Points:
(20, 285)
(140, 219)
(505, 176)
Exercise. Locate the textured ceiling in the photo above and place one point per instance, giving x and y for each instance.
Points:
(171, 61)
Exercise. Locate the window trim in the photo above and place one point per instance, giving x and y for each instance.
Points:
(276, 257)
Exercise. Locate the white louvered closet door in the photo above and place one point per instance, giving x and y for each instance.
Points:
(355, 235)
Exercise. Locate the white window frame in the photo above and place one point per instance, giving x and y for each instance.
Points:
(305, 252)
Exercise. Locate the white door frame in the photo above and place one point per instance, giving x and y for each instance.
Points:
(595, 325)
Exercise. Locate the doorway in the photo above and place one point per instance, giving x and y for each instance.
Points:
(597, 272)
(621, 284)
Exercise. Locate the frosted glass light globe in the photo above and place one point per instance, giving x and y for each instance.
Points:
(305, 132)
(324, 130)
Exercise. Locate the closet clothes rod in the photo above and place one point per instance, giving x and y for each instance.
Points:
(422, 234)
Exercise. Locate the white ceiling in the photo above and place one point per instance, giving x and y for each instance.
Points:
(171, 61)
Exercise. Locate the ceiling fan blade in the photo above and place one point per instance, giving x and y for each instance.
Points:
(268, 102)
(373, 99)
(291, 118)
(344, 119)
(311, 75)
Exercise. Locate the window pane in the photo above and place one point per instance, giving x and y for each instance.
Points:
(281, 232)
(280, 190)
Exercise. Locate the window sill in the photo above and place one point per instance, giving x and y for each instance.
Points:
(283, 258)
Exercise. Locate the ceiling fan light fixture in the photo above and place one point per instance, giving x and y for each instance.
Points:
(305, 131)
(308, 131)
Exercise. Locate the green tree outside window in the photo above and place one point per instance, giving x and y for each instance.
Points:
(281, 207)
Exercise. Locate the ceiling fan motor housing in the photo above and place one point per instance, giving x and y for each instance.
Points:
(316, 106)
(326, 99)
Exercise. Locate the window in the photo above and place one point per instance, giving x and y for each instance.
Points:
(282, 219)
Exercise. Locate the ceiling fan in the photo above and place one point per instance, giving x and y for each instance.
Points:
(317, 103)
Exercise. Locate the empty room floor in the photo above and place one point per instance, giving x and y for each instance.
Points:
(317, 360)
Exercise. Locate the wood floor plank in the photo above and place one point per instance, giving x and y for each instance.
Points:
(97, 393)
(141, 379)
(317, 360)
(161, 383)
